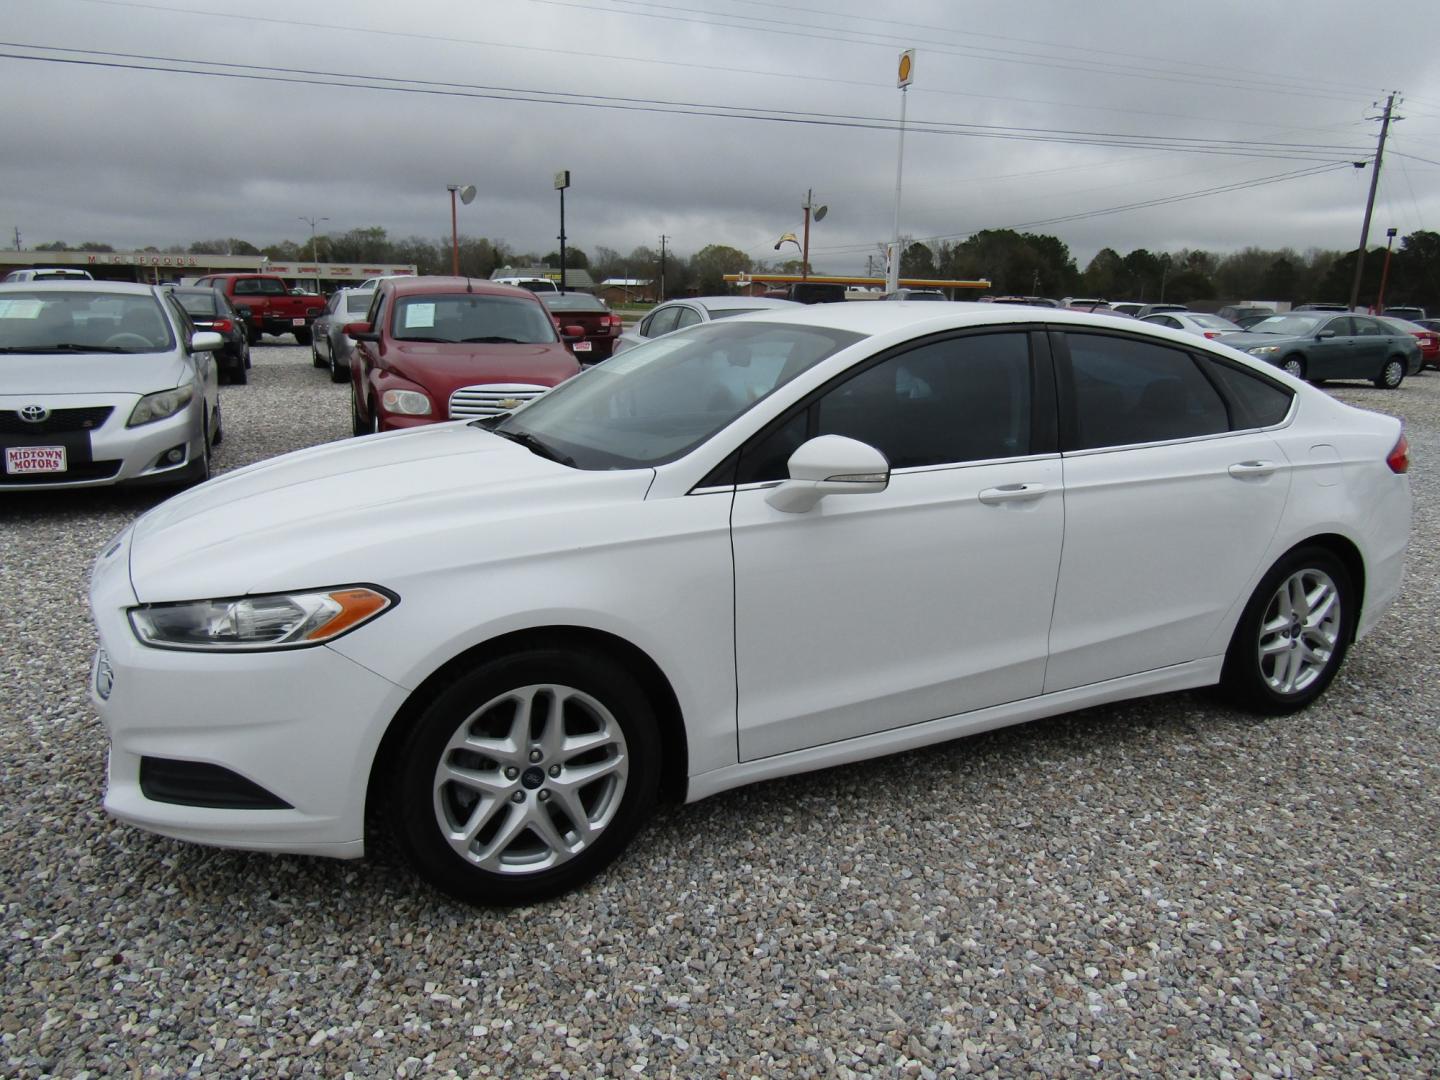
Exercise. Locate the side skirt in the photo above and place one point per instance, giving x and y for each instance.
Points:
(1186, 676)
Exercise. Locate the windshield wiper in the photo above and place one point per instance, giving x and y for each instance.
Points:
(437, 340)
(535, 446)
(494, 340)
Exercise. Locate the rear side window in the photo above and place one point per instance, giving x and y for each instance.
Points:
(688, 317)
(1255, 401)
(1123, 392)
(662, 322)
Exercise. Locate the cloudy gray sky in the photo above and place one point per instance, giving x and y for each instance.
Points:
(1006, 103)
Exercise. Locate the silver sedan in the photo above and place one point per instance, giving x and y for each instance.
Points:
(104, 383)
(329, 347)
(677, 314)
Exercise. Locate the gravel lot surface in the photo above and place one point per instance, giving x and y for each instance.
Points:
(1161, 887)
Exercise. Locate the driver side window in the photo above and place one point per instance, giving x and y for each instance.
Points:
(946, 402)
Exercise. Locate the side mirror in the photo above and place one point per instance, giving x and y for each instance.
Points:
(1325, 334)
(360, 331)
(830, 465)
(206, 341)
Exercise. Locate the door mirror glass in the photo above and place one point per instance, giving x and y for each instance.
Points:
(830, 465)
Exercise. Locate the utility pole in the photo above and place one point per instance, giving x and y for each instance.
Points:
(660, 293)
(17, 238)
(1370, 202)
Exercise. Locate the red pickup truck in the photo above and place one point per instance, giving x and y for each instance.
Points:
(268, 305)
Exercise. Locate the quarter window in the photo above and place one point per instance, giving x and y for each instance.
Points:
(661, 322)
(1255, 401)
(1124, 392)
(688, 317)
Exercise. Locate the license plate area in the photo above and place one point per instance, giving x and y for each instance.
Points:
(582, 346)
(297, 322)
(34, 459)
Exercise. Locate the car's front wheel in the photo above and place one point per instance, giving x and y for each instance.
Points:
(1294, 365)
(358, 423)
(1293, 634)
(525, 777)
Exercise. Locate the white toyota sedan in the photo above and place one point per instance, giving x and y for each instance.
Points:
(756, 547)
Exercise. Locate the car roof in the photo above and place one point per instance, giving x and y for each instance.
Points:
(871, 319)
(720, 303)
(411, 285)
(78, 285)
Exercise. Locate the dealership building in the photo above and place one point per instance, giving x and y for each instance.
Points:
(155, 267)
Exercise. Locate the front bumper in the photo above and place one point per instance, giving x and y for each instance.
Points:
(111, 453)
(302, 724)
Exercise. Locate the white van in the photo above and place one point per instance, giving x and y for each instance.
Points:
(49, 273)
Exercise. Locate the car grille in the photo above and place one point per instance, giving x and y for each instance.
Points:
(59, 420)
(491, 399)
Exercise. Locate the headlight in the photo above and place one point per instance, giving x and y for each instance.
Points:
(154, 407)
(406, 402)
(1263, 350)
(274, 621)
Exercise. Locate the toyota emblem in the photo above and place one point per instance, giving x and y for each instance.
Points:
(35, 414)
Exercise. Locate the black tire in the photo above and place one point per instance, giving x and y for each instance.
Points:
(358, 424)
(315, 357)
(1294, 365)
(219, 426)
(305, 337)
(1391, 375)
(532, 802)
(1254, 680)
(374, 428)
(199, 470)
(253, 335)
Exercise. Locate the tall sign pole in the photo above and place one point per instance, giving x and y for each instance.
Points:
(562, 181)
(1370, 202)
(905, 74)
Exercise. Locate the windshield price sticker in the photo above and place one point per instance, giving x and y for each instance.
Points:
(20, 309)
(34, 459)
(419, 316)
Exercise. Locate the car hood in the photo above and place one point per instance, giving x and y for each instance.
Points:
(90, 373)
(1246, 340)
(439, 365)
(342, 513)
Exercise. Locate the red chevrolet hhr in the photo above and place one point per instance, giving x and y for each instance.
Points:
(447, 348)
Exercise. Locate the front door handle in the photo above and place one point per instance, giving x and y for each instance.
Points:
(1011, 493)
(1243, 469)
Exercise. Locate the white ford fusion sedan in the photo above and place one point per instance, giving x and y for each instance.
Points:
(752, 548)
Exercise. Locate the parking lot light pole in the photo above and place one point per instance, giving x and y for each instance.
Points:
(1385, 272)
(562, 181)
(466, 193)
(314, 257)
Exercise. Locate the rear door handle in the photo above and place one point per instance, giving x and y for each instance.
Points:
(1011, 493)
(1243, 469)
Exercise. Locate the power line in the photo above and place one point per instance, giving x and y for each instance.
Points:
(317, 77)
(688, 65)
(889, 40)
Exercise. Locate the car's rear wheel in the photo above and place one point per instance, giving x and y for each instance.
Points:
(305, 337)
(252, 333)
(338, 374)
(525, 777)
(1294, 365)
(1293, 634)
(315, 357)
(1391, 375)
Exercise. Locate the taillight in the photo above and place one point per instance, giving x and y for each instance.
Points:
(1211, 335)
(223, 325)
(1399, 459)
(613, 323)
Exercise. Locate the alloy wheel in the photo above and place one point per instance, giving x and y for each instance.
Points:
(531, 779)
(1299, 631)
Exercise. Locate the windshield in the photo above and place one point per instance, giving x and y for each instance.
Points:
(1213, 322)
(660, 400)
(72, 321)
(472, 317)
(1296, 324)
